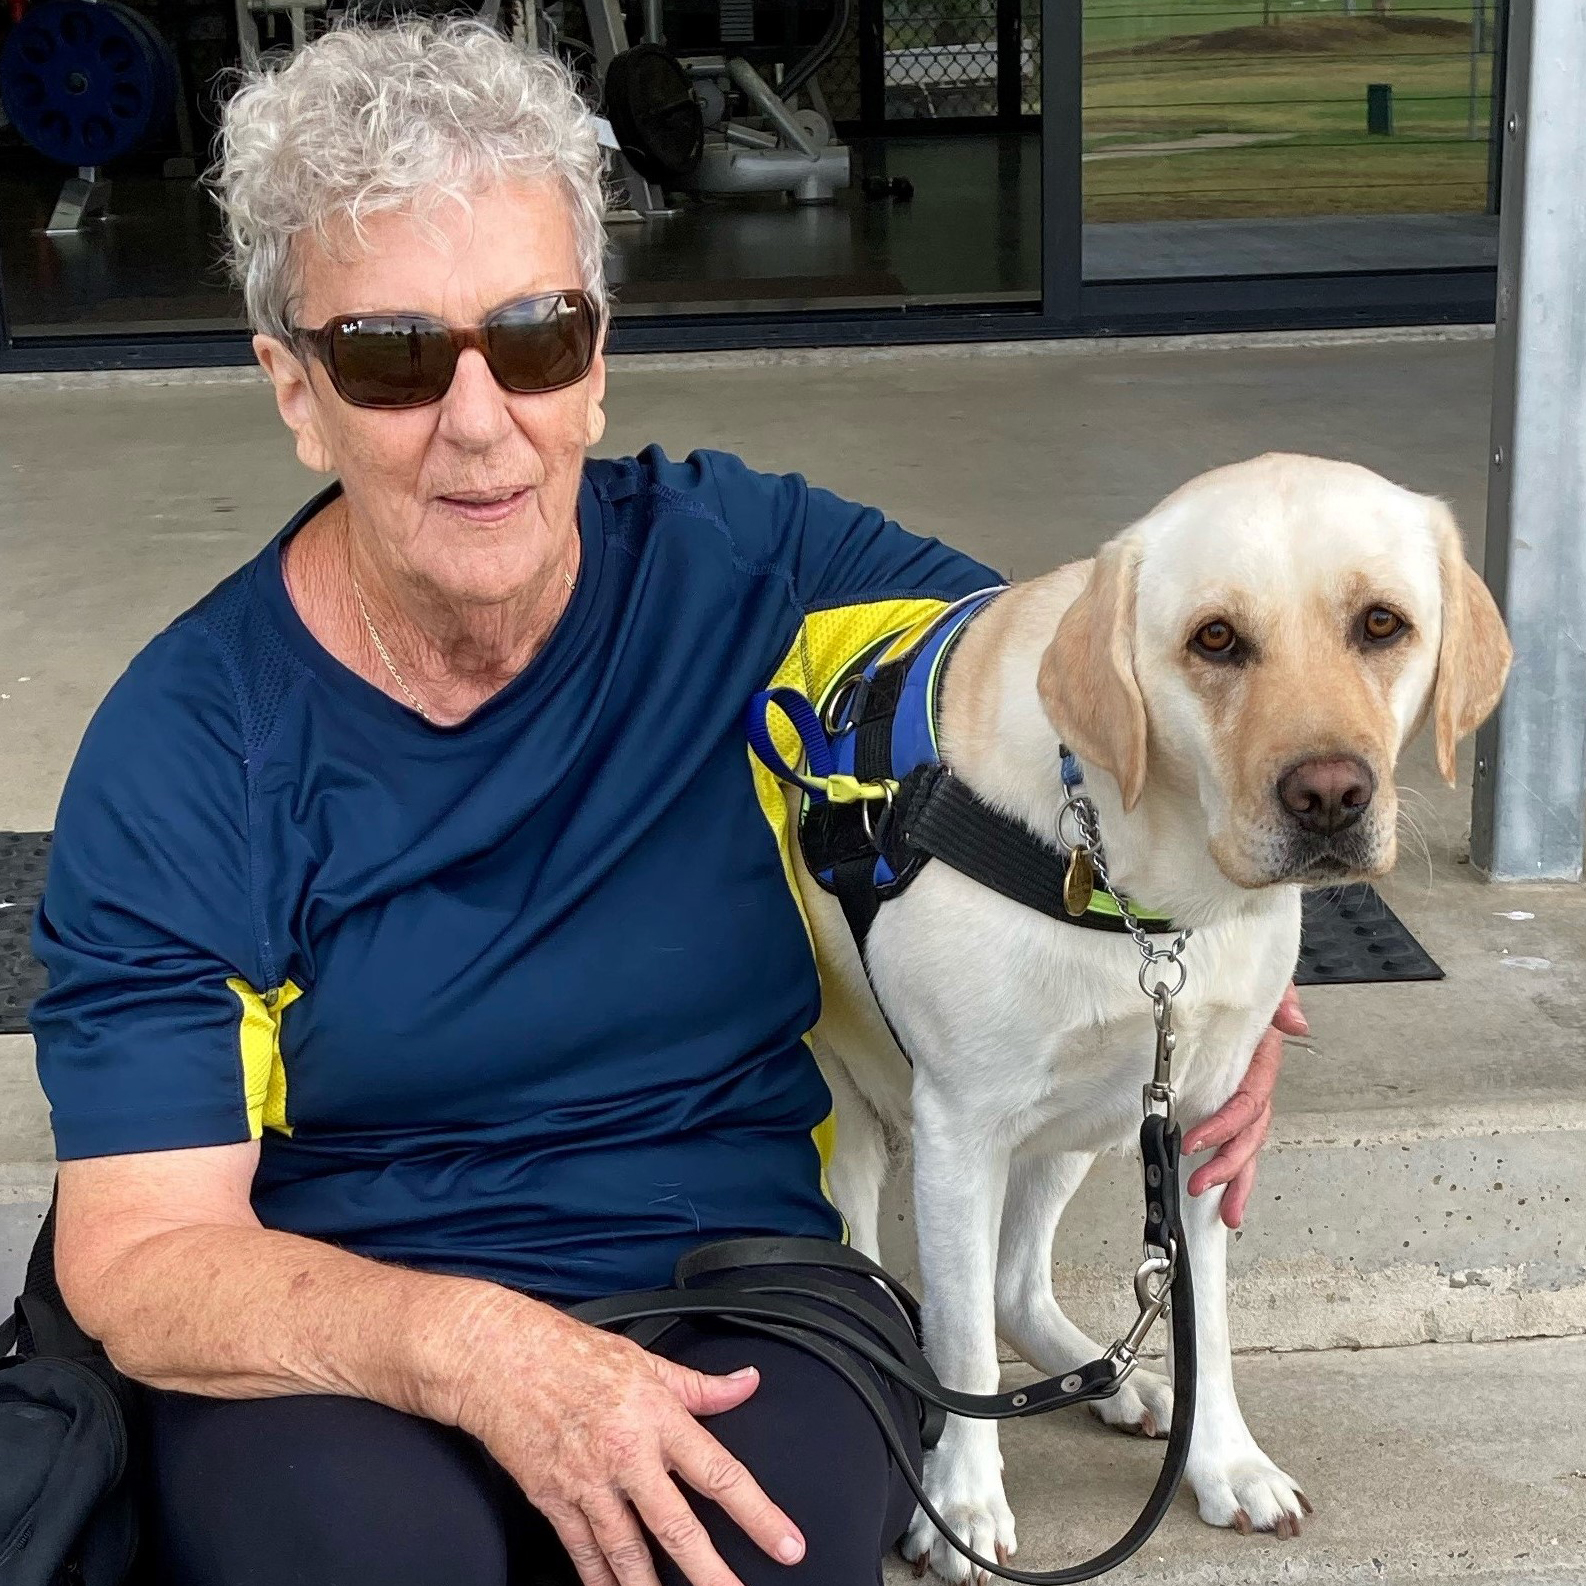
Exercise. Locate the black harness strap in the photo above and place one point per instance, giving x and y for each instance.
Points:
(942, 816)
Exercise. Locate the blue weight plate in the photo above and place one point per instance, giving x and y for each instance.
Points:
(85, 82)
(166, 78)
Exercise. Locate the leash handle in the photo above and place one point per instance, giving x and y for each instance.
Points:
(780, 1307)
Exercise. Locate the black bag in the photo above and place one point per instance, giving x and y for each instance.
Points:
(68, 1514)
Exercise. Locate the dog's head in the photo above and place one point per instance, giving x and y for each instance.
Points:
(1266, 641)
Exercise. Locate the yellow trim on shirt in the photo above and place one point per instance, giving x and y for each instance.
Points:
(259, 1041)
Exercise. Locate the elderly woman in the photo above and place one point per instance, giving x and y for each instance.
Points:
(421, 956)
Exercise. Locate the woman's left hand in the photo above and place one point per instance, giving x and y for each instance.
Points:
(1240, 1128)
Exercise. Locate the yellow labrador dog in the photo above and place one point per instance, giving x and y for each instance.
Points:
(1237, 674)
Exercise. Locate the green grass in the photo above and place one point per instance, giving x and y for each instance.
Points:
(1152, 75)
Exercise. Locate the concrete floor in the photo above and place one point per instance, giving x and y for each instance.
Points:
(1428, 1171)
(1457, 1463)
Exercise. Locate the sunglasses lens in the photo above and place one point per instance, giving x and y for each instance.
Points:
(542, 343)
(392, 360)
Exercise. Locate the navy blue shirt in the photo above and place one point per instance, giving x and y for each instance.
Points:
(526, 998)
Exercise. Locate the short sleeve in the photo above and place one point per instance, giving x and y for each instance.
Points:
(145, 925)
(836, 550)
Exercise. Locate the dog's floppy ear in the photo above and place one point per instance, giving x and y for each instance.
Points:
(1087, 681)
(1473, 658)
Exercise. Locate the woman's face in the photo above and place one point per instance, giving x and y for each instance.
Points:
(418, 480)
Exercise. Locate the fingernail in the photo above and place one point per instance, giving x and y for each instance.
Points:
(790, 1550)
(741, 1373)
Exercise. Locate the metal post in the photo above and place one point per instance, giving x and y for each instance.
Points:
(1529, 811)
(1062, 154)
(1010, 65)
(872, 66)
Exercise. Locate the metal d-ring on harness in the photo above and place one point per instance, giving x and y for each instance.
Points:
(733, 1281)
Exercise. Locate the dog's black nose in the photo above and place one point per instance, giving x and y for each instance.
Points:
(1327, 796)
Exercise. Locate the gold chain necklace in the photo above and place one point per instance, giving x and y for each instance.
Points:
(385, 655)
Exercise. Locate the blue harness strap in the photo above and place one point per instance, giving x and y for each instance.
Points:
(879, 802)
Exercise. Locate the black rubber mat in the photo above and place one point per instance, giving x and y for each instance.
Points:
(23, 857)
(1351, 937)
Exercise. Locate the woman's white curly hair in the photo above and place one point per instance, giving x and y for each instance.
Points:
(369, 119)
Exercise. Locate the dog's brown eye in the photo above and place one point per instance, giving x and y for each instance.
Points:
(1215, 639)
(1381, 624)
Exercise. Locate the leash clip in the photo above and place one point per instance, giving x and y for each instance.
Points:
(1159, 1093)
(1124, 1353)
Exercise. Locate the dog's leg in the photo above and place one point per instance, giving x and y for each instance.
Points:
(858, 1168)
(1235, 1483)
(1028, 1314)
(960, 1178)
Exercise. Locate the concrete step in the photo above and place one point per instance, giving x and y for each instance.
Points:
(1443, 1462)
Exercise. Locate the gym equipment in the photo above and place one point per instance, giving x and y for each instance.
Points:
(653, 112)
(898, 187)
(710, 122)
(86, 81)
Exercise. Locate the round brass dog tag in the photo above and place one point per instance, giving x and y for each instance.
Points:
(1079, 883)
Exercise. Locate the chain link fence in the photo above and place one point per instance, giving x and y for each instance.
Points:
(941, 60)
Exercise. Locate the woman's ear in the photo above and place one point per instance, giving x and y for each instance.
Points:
(1474, 654)
(1087, 680)
(295, 401)
(595, 422)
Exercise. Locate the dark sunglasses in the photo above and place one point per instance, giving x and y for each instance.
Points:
(536, 344)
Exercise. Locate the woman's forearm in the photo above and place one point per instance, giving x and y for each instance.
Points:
(243, 1312)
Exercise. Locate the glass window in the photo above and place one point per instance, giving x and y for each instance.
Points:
(784, 153)
(1268, 137)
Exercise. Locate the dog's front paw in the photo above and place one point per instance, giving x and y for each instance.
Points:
(1244, 1490)
(967, 1492)
(1142, 1407)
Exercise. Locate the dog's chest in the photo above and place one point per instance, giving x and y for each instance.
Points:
(1035, 1028)
(1084, 1092)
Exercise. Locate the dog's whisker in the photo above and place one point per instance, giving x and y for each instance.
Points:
(1410, 826)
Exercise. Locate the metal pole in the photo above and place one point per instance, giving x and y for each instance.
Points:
(1062, 154)
(872, 66)
(1010, 65)
(1528, 819)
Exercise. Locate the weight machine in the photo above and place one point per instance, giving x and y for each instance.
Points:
(692, 110)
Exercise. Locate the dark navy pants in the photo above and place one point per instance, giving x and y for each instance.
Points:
(322, 1491)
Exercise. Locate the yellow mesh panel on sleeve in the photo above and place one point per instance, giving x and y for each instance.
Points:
(259, 1041)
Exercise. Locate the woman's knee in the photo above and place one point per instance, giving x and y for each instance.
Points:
(813, 1446)
(316, 1491)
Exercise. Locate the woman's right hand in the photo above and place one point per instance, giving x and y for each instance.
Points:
(593, 1429)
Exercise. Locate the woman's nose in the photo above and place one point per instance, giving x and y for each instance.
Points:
(474, 409)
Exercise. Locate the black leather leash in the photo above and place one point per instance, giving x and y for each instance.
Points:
(729, 1282)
